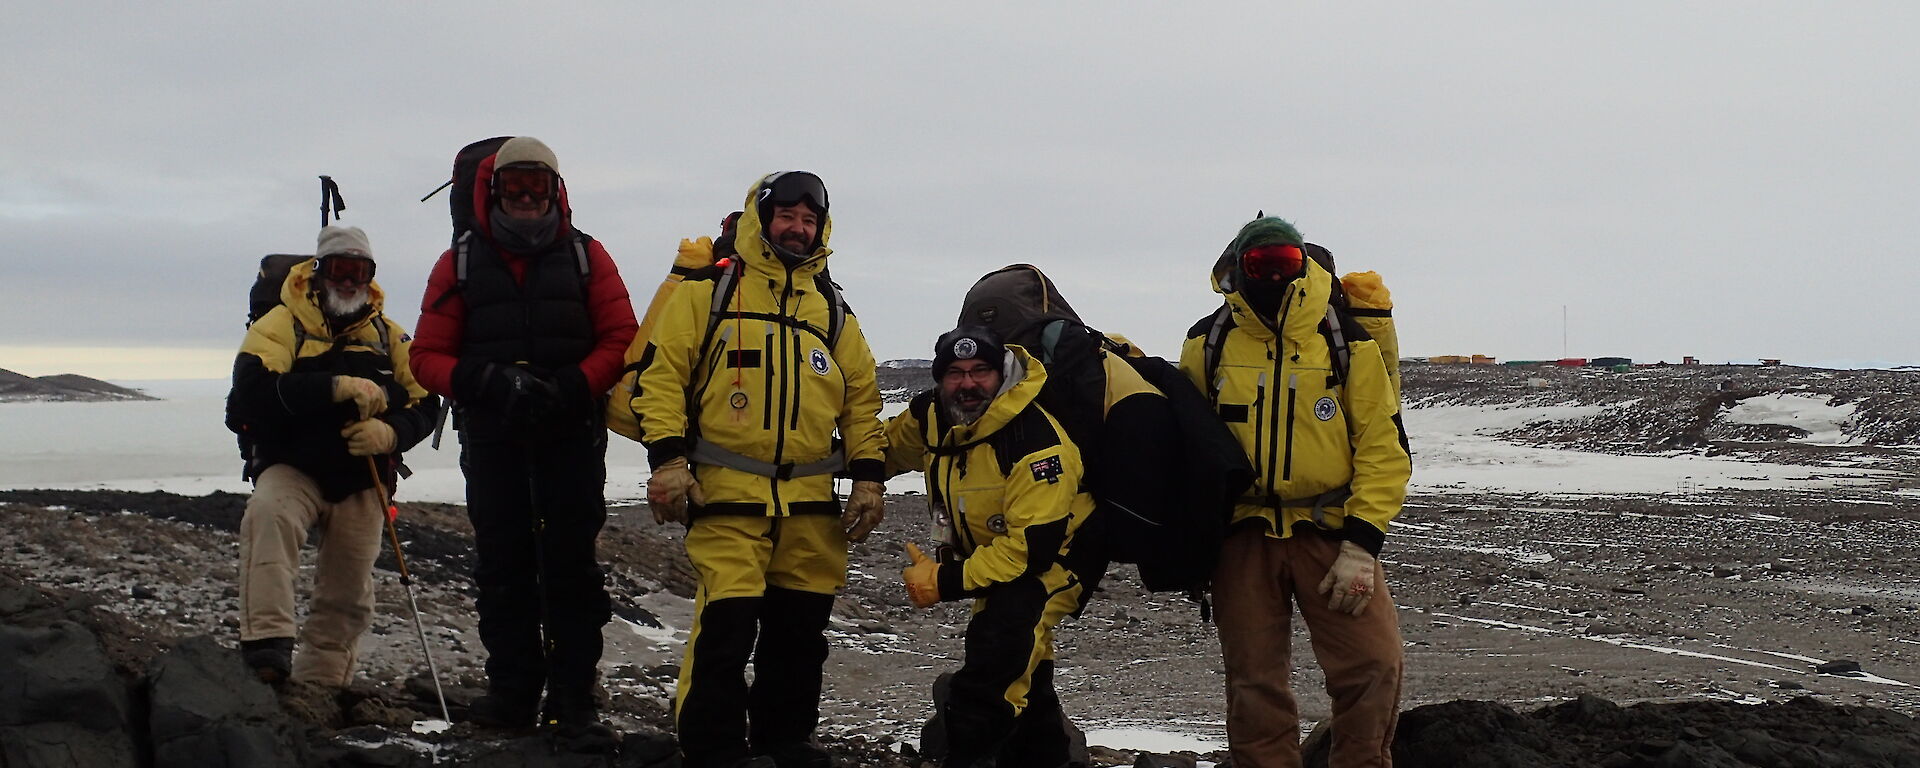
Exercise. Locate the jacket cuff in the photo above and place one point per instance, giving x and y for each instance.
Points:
(951, 581)
(867, 470)
(1362, 533)
(664, 450)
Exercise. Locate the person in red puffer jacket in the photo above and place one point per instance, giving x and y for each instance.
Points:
(524, 325)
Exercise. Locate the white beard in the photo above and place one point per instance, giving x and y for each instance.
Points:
(334, 304)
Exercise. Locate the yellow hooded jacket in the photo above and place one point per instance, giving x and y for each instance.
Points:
(1006, 490)
(282, 398)
(767, 387)
(1305, 435)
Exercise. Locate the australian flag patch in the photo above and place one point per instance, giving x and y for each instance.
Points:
(1047, 469)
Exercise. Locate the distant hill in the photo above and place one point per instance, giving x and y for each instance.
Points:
(64, 387)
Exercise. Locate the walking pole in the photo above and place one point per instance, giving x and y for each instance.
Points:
(406, 580)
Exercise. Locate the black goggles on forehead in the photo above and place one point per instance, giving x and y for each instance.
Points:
(791, 187)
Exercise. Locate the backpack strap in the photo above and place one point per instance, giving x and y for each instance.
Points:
(836, 308)
(1337, 344)
(1216, 340)
(580, 260)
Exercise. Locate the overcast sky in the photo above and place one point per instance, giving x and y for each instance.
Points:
(1727, 180)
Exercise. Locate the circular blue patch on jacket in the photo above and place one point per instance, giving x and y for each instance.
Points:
(1324, 409)
(819, 361)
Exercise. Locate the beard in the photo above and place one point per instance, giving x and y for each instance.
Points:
(795, 242)
(966, 405)
(338, 302)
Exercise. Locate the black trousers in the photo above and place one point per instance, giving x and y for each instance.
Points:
(783, 634)
(1003, 638)
(537, 502)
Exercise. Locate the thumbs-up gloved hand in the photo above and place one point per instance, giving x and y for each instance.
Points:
(922, 577)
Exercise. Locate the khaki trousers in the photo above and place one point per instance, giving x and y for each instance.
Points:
(284, 505)
(1259, 581)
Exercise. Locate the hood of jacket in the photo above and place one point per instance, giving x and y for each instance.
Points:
(302, 298)
(1021, 379)
(1303, 302)
(750, 240)
(483, 201)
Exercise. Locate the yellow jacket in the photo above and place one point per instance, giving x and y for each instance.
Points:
(1006, 490)
(767, 388)
(1306, 436)
(282, 403)
(623, 408)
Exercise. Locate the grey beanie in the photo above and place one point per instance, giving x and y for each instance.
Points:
(526, 149)
(337, 240)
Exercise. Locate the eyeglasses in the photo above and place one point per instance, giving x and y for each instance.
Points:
(1272, 262)
(981, 373)
(342, 268)
(791, 187)
(528, 183)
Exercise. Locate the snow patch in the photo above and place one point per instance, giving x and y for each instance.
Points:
(1824, 423)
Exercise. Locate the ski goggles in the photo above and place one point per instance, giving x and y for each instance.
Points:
(345, 268)
(527, 183)
(1272, 262)
(793, 187)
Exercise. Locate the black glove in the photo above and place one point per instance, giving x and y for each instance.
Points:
(576, 400)
(508, 390)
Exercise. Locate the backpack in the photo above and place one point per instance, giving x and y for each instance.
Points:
(1359, 308)
(1163, 470)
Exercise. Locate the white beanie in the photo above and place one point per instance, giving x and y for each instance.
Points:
(526, 149)
(336, 240)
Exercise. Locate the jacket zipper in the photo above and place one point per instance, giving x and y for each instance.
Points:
(1259, 418)
(780, 435)
(1293, 389)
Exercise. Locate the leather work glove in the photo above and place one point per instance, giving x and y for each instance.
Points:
(368, 437)
(922, 577)
(866, 507)
(668, 491)
(1349, 583)
(368, 397)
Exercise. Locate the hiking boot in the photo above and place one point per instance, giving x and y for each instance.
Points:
(799, 754)
(270, 658)
(497, 709)
(573, 723)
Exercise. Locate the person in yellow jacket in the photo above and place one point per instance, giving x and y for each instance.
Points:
(1331, 466)
(1005, 485)
(739, 405)
(324, 404)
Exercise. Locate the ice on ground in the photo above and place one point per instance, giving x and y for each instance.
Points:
(1137, 736)
(1455, 451)
(1825, 423)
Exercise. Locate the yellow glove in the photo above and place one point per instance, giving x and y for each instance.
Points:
(669, 489)
(923, 578)
(371, 437)
(369, 397)
(1349, 583)
(866, 507)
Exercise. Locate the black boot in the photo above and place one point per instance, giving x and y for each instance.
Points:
(572, 722)
(800, 754)
(271, 658)
(503, 709)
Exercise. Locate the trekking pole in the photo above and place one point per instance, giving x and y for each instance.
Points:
(330, 200)
(392, 511)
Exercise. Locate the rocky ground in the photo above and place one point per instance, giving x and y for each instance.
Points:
(1776, 628)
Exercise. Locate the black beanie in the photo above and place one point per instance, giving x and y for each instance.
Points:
(967, 343)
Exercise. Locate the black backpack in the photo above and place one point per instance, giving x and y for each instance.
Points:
(1164, 470)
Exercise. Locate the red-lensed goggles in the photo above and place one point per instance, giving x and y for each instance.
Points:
(341, 268)
(1272, 262)
(518, 183)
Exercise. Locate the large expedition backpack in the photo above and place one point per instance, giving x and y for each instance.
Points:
(1163, 470)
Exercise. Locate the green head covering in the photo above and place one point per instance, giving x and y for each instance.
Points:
(1266, 230)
